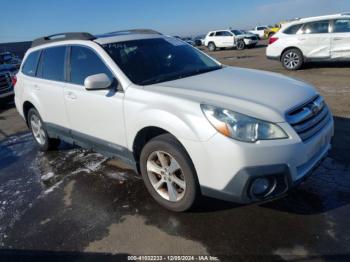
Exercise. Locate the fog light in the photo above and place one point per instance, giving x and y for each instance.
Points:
(260, 186)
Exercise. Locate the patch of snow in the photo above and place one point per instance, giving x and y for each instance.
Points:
(47, 176)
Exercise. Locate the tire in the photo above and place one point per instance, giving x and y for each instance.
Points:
(240, 45)
(167, 148)
(38, 129)
(292, 59)
(211, 47)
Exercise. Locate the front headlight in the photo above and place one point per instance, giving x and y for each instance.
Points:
(241, 127)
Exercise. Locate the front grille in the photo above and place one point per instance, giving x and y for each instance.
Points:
(5, 82)
(310, 118)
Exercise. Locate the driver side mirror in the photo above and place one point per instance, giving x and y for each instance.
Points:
(97, 82)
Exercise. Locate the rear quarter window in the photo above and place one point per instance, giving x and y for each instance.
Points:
(31, 63)
(292, 30)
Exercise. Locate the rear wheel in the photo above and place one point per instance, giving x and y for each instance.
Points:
(168, 173)
(211, 47)
(292, 59)
(39, 132)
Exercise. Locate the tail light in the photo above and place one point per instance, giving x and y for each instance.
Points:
(272, 40)
(13, 80)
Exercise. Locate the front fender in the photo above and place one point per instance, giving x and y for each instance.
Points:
(183, 119)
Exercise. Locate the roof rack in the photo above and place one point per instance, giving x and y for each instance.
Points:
(129, 32)
(62, 37)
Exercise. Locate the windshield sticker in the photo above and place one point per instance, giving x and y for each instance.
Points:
(174, 41)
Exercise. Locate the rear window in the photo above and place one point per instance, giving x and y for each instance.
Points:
(31, 63)
(51, 65)
(292, 30)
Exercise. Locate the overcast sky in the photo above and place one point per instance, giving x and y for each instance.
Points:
(27, 19)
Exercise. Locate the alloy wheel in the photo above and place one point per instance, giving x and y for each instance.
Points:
(37, 129)
(166, 176)
(291, 60)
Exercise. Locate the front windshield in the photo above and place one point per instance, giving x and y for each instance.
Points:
(150, 61)
(236, 32)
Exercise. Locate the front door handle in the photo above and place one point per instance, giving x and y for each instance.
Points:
(71, 95)
(337, 38)
(36, 87)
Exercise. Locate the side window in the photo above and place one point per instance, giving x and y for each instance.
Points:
(341, 26)
(261, 28)
(31, 63)
(212, 34)
(83, 63)
(51, 64)
(319, 27)
(292, 30)
(227, 33)
(220, 33)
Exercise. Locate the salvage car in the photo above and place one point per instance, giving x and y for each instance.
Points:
(322, 38)
(229, 39)
(190, 125)
(250, 40)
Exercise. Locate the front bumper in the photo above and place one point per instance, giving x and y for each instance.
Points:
(250, 41)
(226, 167)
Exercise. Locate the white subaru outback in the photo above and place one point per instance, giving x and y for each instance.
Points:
(188, 124)
(322, 38)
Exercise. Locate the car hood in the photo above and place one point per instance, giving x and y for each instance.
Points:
(247, 35)
(264, 95)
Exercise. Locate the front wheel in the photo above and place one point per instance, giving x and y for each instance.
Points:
(240, 45)
(292, 59)
(169, 174)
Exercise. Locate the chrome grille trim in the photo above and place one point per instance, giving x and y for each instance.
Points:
(309, 118)
(304, 112)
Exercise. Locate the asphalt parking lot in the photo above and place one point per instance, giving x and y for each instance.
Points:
(77, 203)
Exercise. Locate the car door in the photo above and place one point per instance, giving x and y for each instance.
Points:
(314, 39)
(228, 39)
(49, 85)
(219, 39)
(340, 39)
(96, 116)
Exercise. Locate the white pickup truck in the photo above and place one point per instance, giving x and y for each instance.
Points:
(259, 31)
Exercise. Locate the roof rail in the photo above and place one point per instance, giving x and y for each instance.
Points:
(346, 13)
(62, 37)
(129, 32)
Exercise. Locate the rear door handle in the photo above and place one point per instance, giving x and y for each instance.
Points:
(71, 95)
(36, 87)
(337, 38)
